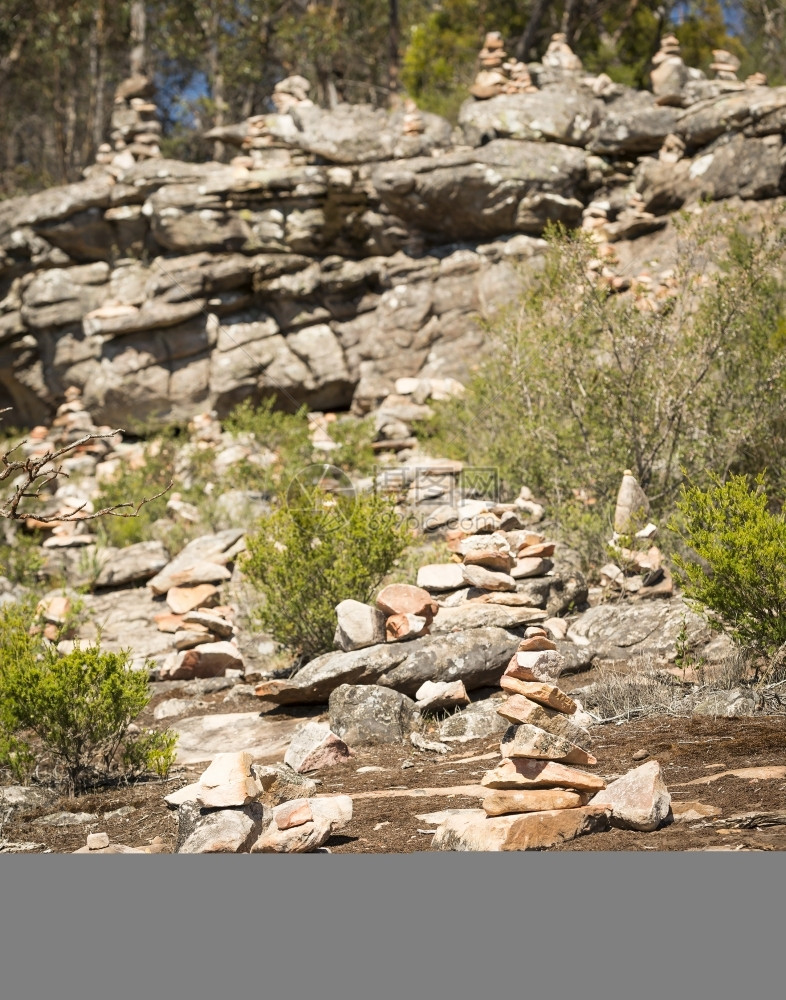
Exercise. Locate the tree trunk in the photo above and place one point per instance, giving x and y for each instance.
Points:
(527, 40)
(138, 55)
(394, 36)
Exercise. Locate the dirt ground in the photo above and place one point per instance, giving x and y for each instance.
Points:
(389, 797)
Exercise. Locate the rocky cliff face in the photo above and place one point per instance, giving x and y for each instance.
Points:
(352, 249)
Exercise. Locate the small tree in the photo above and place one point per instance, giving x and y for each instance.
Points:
(307, 558)
(740, 581)
(74, 710)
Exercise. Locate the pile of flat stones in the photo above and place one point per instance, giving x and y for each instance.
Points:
(539, 795)
(136, 130)
(498, 74)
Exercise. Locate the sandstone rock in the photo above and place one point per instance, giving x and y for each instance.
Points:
(178, 574)
(518, 772)
(519, 710)
(399, 628)
(533, 743)
(482, 615)
(639, 800)
(503, 803)
(358, 626)
(132, 564)
(472, 830)
(301, 839)
(442, 694)
(530, 666)
(530, 566)
(171, 708)
(486, 579)
(228, 782)
(96, 841)
(315, 747)
(441, 577)
(210, 659)
(404, 599)
(220, 831)
(201, 737)
(559, 114)
(281, 784)
(489, 559)
(536, 644)
(633, 507)
(548, 695)
(291, 814)
(212, 622)
(368, 714)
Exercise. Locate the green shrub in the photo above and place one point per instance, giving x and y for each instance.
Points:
(581, 383)
(740, 581)
(21, 558)
(307, 558)
(71, 712)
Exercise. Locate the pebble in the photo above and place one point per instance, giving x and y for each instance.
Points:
(640, 755)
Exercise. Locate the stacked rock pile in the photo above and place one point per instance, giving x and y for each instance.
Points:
(234, 809)
(560, 57)
(539, 795)
(669, 73)
(413, 123)
(725, 65)
(136, 130)
(498, 74)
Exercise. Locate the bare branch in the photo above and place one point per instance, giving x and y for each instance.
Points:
(35, 477)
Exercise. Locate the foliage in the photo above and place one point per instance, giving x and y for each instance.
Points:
(20, 558)
(306, 558)
(72, 711)
(353, 437)
(739, 580)
(693, 381)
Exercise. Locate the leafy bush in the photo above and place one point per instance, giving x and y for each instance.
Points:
(739, 581)
(71, 712)
(20, 558)
(581, 382)
(307, 558)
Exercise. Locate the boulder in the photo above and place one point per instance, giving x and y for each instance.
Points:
(472, 830)
(313, 747)
(358, 626)
(557, 114)
(281, 784)
(209, 659)
(639, 800)
(480, 720)
(368, 714)
(133, 564)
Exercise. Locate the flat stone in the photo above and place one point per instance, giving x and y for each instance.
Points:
(536, 644)
(540, 550)
(502, 803)
(536, 666)
(201, 737)
(210, 659)
(765, 773)
(519, 710)
(530, 566)
(532, 742)
(546, 694)
(302, 839)
(440, 694)
(518, 772)
(472, 615)
(486, 579)
(315, 747)
(404, 599)
(213, 623)
(172, 707)
(96, 841)
(228, 781)
(179, 574)
(167, 622)
(291, 814)
(359, 625)
(184, 599)
(441, 576)
(191, 638)
(65, 819)
(490, 559)
(639, 800)
(132, 564)
(112, 849)
(691, 812)
(472, 830)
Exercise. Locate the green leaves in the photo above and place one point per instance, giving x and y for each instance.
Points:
(740, 579)
(71, 711)
(307, 557)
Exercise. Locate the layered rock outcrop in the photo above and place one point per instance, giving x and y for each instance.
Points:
(343, 249)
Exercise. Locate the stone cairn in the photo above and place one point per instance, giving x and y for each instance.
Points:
(725, 65)
(560, 57)
(257, 147)
(669, 73)
(639, 571)
(412, 123)
(136, 130)
(498, 74)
